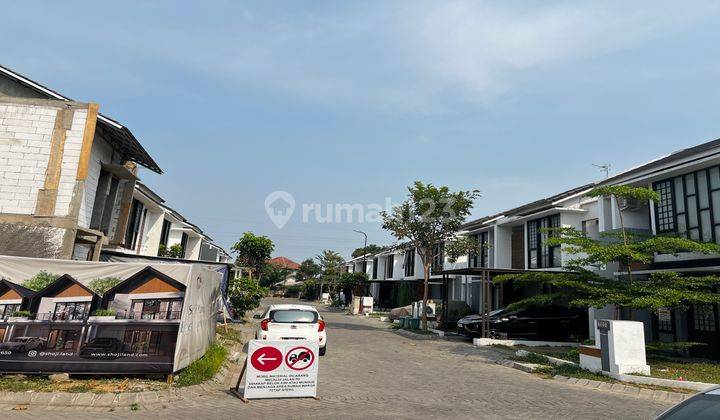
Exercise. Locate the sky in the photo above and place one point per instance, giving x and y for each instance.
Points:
(348, 103)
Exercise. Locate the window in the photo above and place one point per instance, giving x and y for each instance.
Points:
(156, 309)
(8, 309)
(438, 257)
(540, 255)
(70, 311)
(481, 257)
(137, 212)
(389, 262)
(375, 268)
(63, 340)
(704, 318)
(664, 320)
(409, 262)
(165, 233)
(105, 196)
(183, 243)
(149, 342)
(689, 205)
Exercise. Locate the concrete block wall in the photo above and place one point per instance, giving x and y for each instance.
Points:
(25, 139)
(25, 136)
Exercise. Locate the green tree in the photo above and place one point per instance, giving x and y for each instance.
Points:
(244, 294)
(370, 249)
(331, 264)
(308, 270)
(272, 275)
(348, 280)
(102, 285)
(40, 281)
(174, 251)
(431, 216)
(581, 287)
(253, 251)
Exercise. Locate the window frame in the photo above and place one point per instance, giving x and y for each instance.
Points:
(544, 255)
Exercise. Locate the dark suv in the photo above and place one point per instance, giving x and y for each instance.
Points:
(548, 323)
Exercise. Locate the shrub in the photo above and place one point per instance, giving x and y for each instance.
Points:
(310, 290)
(293, 290)
(21, 314)
(204, 368)
(103, 312)
(100, 286)
(244, 294)
(40, 281)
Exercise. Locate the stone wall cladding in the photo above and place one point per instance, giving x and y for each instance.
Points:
(25, 136)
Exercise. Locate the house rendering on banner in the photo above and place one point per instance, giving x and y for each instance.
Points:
(156, 319)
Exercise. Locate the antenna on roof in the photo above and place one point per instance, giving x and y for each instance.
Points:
(605, 167)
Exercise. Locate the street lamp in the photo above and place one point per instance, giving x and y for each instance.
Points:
(364, 251)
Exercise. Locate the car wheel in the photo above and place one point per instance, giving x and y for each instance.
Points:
(323, 350)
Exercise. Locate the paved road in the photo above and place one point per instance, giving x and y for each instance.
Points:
(372, 372)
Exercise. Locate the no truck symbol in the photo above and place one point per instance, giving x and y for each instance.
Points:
(299, 358)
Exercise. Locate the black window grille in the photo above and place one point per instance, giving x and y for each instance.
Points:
(389, 261)
(540, 254)
(689, 205)
(704, 318)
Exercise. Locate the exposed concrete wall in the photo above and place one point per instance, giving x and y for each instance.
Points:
(10, 87)
(34, 240)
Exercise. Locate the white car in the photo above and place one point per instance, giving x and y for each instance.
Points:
(292, 322)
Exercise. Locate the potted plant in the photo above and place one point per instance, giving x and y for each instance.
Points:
(19, 316)
(102, 315)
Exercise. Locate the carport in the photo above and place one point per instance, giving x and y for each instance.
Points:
(506, 294)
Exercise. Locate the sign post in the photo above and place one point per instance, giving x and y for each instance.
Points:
(279, 369)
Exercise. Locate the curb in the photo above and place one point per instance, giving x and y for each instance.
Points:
(414, 336)
(657, 395)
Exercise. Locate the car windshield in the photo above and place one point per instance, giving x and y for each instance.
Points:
(700, 407)
(294, 316)
(496, 312)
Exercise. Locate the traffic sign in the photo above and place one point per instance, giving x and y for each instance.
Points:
(266, 359)
(299, 358)
(281, 369)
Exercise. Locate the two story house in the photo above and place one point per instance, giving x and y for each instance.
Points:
(67, 173)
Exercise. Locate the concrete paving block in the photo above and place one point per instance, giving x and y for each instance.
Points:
(105, 400)
(62, 398)
(582, 382)
(41, 398)
(83, 399)
(593, 384)
(660, 395)
(618, 387)
(646, 393)
(149, 397)
(127, 398)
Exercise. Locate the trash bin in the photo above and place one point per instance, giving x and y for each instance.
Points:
(413, 323)
(404, 321)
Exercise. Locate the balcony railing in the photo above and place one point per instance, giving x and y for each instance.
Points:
(149, 316)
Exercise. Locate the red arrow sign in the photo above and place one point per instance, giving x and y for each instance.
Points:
(266, 359)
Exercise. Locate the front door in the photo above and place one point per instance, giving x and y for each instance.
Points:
(474, 297)
(703, 328)
(517, 243)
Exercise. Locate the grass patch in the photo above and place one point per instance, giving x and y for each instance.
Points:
(531, 358)
(97, 385)
(566, 353)
(232, 335)
(204, 368)
(699, 371)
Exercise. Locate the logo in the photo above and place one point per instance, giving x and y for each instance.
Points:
(280, 206)
(32, 353)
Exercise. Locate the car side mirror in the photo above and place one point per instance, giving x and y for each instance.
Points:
(257, 316)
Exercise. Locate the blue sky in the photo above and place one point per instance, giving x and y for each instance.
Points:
(340, 102)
